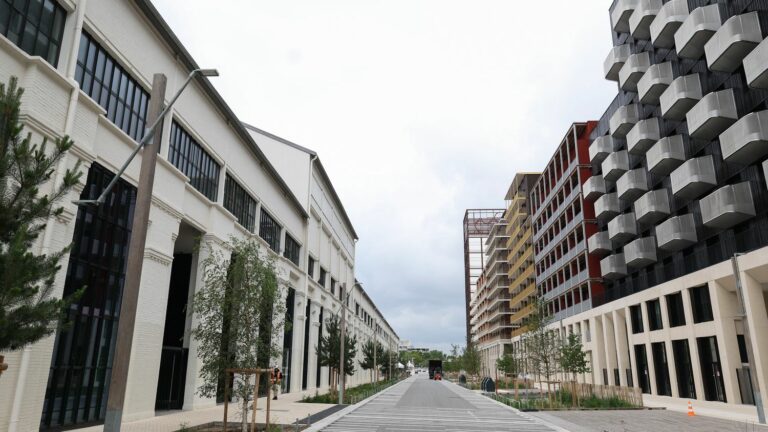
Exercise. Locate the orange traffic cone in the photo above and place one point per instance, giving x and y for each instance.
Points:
(690, 410)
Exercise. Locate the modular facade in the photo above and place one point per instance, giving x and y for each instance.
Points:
(87, 67)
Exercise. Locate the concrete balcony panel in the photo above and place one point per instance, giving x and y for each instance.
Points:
(676, 233)
(652, 207)
(667, 22)
(666, 155)
(680, 96)
(615, 61)
(728, 206)
(613, 266)
(653, 83)
(641, 252)
(713, 114)
(620, 14)
(599, 244)
(607, 206)
(601, 147)
(622, 228)
(641, 19)
(634, 68)
(747, 140)
(623, 119)
(632, 184)
(694, 177)
(736, 38)
(615, 165)
(594, 187)
(696, 31)
(643, 135)
(756, 66)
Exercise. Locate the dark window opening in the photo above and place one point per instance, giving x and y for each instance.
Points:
(636, 316)
(711, 369)
(290, 299)
(292, 249)
(654, 315)
(685, 384)
(35, 26)
(192, 160)
(642, 369)
(701, 304)
(240, 203)
(306, 347)
(675, 310)
(270, 230)
(661, 367)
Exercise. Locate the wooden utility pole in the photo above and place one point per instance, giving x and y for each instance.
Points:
(127, 318)
(343, 331)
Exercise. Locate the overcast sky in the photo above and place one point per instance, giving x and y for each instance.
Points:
(419, 109)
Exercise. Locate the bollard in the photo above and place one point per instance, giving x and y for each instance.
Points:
(296, 428)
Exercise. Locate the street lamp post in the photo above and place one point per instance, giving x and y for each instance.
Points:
(342, 373)
(150, 142)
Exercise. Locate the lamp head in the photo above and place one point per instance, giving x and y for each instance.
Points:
(208, 72)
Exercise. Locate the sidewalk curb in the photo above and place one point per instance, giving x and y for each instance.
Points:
(335, 416)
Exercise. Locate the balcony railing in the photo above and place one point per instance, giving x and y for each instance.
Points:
(652, 207)
(653, 83)
(747, 140)
(613, 266)
(615, 165)
(756, 66)
(632, 184)
(620, 14)
(633, 69)
(601, 147)
(594, 187)
(736, 38)
(666, 155)
(615, 61)
(607, 206)
(680, 96)
(641, 252)
(696, 31)
(728, 206)
(643, 135)
(667, 22)
(676, 233)
(641, 19)
(694, 177)
(623, 119)
(599, 244)
(713, 114)
(622, 228)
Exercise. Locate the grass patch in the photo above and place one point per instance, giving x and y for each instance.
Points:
(562, 400)
(352, 395)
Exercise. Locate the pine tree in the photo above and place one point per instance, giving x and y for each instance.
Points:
(367, 363)
(27, 311)
(328, 348)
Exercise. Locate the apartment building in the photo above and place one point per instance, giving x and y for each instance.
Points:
(567, 278)
(679, 189)
(86, 67)
(476, 227)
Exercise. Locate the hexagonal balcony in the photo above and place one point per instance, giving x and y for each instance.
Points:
(600, 148)
(653, 83)
(632, 184)
(620, 14)
(694, 177)
(756, 66)
(713, 114)
(594, 187)
(652, 207)
(728, 206)
(641, 252)
(736, 38)
(666, 155)
(614, 62)
(623, 119)
(681, 95)
(696, 31)
(615, 164)
(677, 232)
(613, 266)
(622, 228)
(599, 244)
(667, 21)
(747, 140)
(641, 19)
(607, 206)
(643, 135)
(633, 70)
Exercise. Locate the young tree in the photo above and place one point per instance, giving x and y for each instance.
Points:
(328, 350)
(573, 359)
(542, 345)
(367, 363)
(240, 312)
(509, 365)
(27, 313)
(470, 359)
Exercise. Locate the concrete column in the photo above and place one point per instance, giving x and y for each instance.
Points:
(725, 308)
(620, 341)
(297, 360)
(314, 332)
(754, 299)
(693, 347)
(671, 366)
(598, 354)
(631, 348)
(610, 347)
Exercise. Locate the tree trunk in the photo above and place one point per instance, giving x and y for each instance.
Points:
(244, 396)
(514, 383)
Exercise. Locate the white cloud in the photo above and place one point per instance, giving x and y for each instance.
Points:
(419, 109)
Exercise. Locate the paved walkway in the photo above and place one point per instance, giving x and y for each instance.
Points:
(421, 405)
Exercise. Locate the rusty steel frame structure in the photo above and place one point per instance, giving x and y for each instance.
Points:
(477, 225)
